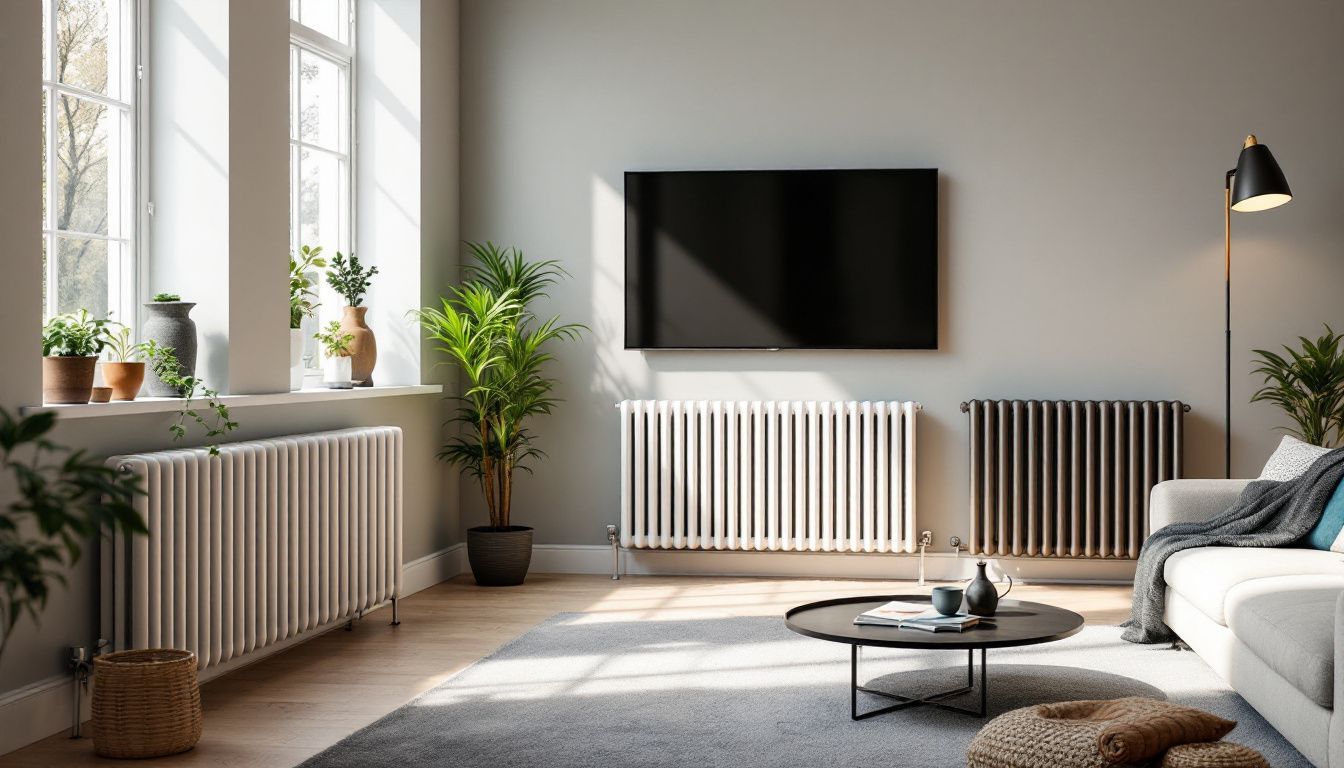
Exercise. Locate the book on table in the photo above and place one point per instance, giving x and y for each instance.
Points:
(906, 615)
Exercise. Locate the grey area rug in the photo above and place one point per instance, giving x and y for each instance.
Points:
(747, 692)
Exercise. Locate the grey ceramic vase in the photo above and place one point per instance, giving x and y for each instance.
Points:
(982, 597)
(169, 323)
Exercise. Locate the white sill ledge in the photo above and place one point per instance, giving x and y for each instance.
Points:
(168, 404)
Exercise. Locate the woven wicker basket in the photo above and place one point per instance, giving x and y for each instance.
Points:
(145, 703)
(1214, 754)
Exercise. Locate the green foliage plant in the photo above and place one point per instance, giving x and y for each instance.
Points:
(487, 329)
(74, 335)
(215, 421)
(302, 297)
(63, 498)
(1307, 384)
(335, 341)
(167, 297)
(121, 350)
(349, 278)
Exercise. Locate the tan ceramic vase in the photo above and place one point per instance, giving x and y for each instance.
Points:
(124, 379)
(363, 347)
(67, 380)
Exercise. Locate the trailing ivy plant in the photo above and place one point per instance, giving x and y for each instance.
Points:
(335, 341)
(216, 421)
(349, 278)
(167, 297)
(1308, 385)
(74, 335)
(63, 498)
(301, 294)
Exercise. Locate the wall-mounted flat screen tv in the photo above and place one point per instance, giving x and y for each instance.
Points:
(803, 259)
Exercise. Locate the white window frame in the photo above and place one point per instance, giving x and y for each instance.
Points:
(306, 39)
(124, 271)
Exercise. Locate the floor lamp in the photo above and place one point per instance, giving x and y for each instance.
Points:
(1256, 184)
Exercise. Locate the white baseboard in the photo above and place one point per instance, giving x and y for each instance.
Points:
(38, 710)
(595, 558)
(425, 572)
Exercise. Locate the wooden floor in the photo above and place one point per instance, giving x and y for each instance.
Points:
(288, 707)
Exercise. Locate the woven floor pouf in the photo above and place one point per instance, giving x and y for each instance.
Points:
(1214, 754)
(1023, 738)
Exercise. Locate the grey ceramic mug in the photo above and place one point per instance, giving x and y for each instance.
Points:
(947, 600)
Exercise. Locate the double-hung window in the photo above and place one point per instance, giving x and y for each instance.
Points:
(89, 157)
(321, 128)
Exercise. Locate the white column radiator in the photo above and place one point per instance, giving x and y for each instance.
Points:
(1068, 478)
(792, 476)
(257, 546)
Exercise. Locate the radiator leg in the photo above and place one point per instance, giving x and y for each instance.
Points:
(396, 619)
(615, 553)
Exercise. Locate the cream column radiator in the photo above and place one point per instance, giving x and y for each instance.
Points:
(257, 546)
(1068, 478)
(792, 476)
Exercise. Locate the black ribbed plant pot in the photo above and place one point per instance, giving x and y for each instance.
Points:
(499, 557)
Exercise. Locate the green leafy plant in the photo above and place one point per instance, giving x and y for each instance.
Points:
(63, 499)
(487, 329)
(167, 297)
(301, 293)
(1308, 385)
(216, 421)
(74, 335)
(121, 350)
(335, 341)
(349, 278)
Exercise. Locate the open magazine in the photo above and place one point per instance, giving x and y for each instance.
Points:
(921, 616)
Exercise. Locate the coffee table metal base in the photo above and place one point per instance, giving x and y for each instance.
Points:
(932, 700)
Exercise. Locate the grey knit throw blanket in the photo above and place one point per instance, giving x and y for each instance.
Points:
(1268, 514)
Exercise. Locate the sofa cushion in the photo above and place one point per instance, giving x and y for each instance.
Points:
(1291, 459)
(1289, 622)
(1205, 574)
(1329, 532)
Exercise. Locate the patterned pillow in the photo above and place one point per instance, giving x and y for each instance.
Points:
(1329, 532)
(1291, 459)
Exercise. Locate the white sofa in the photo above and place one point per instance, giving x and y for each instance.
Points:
(1270, 621)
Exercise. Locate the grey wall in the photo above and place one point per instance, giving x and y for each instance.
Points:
(431, 521)
(1081, 145)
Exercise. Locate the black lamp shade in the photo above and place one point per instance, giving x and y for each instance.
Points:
(1259, 183)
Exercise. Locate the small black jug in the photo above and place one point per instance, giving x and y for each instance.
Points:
(982, 598)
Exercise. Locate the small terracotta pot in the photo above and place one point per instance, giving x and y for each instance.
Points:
(124, 379)
(363, 347)
(101, 395)
(67, 380)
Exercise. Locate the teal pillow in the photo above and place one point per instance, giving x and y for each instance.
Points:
(1327, 533)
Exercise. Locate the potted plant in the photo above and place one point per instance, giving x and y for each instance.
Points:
(351, 281)
(336, 366)
(124, 372)
(62, 500)
(1308, 385)
(170, 326)
(301, 305)
(70, 347)
(487, 329)
(164, 365)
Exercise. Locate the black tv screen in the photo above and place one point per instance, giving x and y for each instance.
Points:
(809, 259)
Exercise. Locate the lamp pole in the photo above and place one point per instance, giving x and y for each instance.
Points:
(1227, 324)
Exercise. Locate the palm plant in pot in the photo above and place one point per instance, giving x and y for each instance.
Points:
(71, 344)
(1307, 384)
(302, 303)
(487, 329)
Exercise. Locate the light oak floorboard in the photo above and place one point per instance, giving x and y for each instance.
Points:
(290, 706)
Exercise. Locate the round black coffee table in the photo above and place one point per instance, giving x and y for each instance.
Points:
(1016, 623)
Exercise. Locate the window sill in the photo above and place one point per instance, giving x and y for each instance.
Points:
(169, 404)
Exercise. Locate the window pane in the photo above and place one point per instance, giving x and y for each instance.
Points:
(81, 165)
(81, 44)
(321, 102)
(46, 94)
(81, 276)
(330, 17)
(320, 200)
